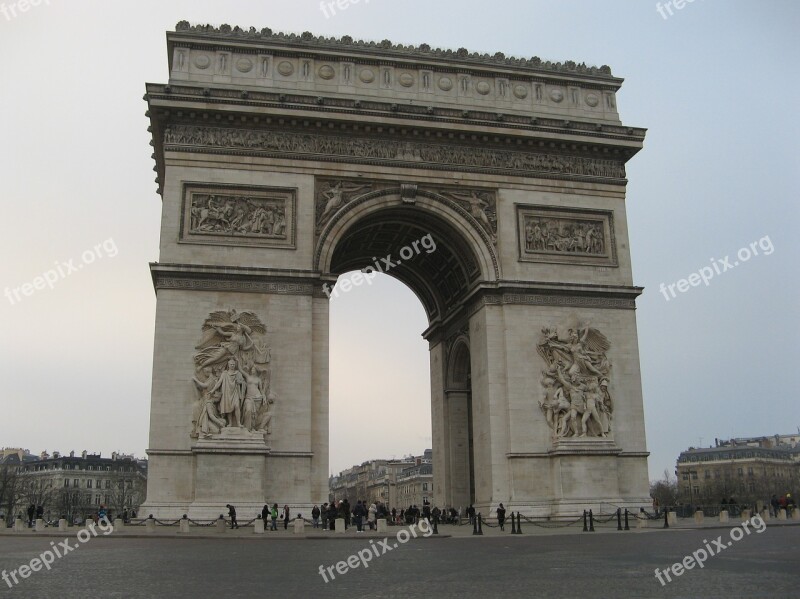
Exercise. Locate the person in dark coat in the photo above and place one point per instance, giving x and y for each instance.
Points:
(232, 515)
(501, 517)
(315, 512)
(358, 516)
(31, 512)
(347, 513)
(285, 517)
(265, 513)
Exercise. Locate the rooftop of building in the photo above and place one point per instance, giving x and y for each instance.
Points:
(308, 41)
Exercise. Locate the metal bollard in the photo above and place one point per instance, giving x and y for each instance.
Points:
(513, 524)
(585, 527)
(626, 520)
(591, 521)
(475, 525)
(619, 519)
(519, 523)
(480, 524)
(666, 518)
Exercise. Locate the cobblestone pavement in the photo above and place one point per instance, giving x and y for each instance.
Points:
(609, 564)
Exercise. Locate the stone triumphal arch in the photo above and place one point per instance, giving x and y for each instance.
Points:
(284, 161)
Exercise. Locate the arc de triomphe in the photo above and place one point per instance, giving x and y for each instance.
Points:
(284, 161)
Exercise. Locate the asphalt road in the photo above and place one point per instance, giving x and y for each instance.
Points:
(604, 565)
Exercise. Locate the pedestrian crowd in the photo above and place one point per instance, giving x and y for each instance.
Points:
(364, 515)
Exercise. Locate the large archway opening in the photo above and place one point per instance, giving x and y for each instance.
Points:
(379, 393)
(435, 260)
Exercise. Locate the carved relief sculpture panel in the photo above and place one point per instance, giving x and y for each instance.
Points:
(232, 378)
(238, 215)
(576, 401)
(566, 236)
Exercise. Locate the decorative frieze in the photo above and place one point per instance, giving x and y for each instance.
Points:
(312, 146)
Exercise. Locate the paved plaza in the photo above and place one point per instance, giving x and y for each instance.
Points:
(542, 563)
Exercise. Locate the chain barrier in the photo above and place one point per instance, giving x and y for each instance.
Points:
(200, 522)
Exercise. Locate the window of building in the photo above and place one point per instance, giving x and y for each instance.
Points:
(750, 471)
(108, 484)
(424, 486)
(66, 482)
(75, 483)
(694, 475)
(99, 484)
(707, 474)
(685, 476)
(716, 473)
(89, 484)
(740, 472)
(696, 490)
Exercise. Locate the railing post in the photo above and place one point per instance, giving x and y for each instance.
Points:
(513, 524)
(519, 523)
(585, 527)
(619, 518)
(475, 525)
(591, 521)
(626, 520)
(480, 524)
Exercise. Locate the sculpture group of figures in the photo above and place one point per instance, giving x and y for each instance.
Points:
(576, 400)
(232, 375)
(237, 215)
(559, 235)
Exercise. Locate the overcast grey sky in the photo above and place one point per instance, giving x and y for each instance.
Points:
(715, 83)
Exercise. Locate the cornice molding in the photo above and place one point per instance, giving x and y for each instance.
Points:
(241, 279)
(248, 99)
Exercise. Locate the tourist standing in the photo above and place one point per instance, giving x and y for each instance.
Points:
(315, 517)
(232, 515)
(358, 516)
(274, 517)
(501, 516)
(285, 517)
